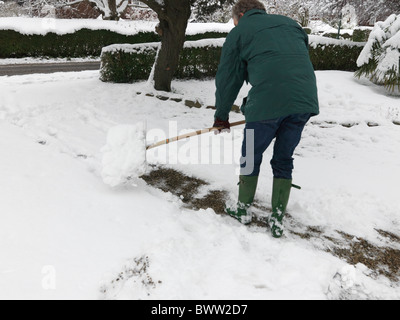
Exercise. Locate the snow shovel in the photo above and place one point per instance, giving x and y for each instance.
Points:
(191, 134)
(124, 156)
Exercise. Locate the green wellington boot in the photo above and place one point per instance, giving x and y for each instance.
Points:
(280, 198)
(247, 191)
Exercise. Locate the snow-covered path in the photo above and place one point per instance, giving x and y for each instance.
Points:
(65, 234)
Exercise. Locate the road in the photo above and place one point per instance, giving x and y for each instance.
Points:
(29, 68)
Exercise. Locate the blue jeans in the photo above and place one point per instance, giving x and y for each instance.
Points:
(259, 135)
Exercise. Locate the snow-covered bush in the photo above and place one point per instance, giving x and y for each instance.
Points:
(361, 34)
(349, 17)
(124, 63)
(200, 59)
(333, 54)
(63, 38)
(379, 60)
(129, 63)
(81, 43)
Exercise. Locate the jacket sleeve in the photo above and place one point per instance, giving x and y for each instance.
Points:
(232, 72)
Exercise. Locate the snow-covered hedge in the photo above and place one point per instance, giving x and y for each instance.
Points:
(361, 34)
(62, 38)
(42, 26)
(81, 43)
(380, 59)
(129, 63)
(333, 54)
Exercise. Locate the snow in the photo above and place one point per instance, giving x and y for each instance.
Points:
(142, 47)
(124, 156)
(131, 48)
(383, 47)
(319, 40)
(42, 26)
(320, 27)
(314, 41)
(65, 234)
(387, 34)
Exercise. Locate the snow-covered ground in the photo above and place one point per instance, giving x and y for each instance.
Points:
(64, 234)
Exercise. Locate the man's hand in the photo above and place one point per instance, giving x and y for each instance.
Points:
(224, 126)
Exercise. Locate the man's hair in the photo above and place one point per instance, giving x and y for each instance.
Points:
(242, 6)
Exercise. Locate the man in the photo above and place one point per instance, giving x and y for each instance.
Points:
(271, 53)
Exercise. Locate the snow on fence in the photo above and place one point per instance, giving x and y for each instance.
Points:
(199, 59)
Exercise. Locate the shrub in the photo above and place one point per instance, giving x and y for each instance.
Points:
(206, 35)
(127, 63)
(200, 59)
(82, 43)
(332, 54)
(343, 36)
(361, 34)
(130, 63)
(380, 59)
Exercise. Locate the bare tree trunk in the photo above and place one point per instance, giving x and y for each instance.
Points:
(112, 5)
(172, 41)
(173, 16)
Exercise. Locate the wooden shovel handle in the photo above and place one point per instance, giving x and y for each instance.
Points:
(191, 134)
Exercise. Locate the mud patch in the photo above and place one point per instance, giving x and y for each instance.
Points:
(214, 199)
(187, 189)
(388, 235)
(382, 260)
(170, 180)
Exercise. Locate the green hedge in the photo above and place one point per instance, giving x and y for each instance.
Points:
(130, 63)
(206, 35)
(82, 43)
(199, 60)
(333, 35)
(335, 54)
(361, 35)
(123, 64)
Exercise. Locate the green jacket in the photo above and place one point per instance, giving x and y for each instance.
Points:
(271, 53)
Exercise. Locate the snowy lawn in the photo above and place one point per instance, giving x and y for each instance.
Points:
(64, 234)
